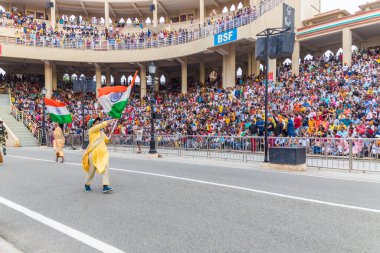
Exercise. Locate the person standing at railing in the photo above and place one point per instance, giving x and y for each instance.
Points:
(138, 132)
(3, 137)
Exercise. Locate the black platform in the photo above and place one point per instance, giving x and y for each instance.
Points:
(288, 155)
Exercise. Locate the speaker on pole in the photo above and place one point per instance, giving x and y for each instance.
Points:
(50, 5)
(152, 7)
(282, 45)
(260, 49)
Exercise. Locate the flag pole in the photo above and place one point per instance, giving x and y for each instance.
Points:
(115, 124)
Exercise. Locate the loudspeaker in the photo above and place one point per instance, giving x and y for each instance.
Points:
(50, 5)
(288, 156)
(282, 45)
(260, 49)
(152, 7)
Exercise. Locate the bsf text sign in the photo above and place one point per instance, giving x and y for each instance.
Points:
(225, 37)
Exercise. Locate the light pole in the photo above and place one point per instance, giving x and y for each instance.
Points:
(43, 139)
(152, 71)
(268, 33)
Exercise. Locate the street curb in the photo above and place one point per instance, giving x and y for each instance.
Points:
(6, 247)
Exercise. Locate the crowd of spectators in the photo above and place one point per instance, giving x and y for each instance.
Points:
(87, 34)
(327, 99)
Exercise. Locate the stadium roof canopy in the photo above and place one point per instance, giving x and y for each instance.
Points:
(120, 8)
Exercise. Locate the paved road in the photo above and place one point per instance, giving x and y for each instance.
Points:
(162, 206)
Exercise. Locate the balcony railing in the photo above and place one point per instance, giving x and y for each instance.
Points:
(144, 41)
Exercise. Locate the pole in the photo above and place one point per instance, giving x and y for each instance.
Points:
(83, 119)
(43, 141)
(152, 148)
(266, 97)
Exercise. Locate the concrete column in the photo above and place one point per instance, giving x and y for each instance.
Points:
(184, 75)
(347, 46)
(98, 75)
(296, 59)
(142, 81)
(249, 64)
(155, 13)
(229, 66)
(202, 72)
(273, 69)
(52, 14)
(107, 14)
(108, 76)
(201, 12)
(116, 79)
(54, 77)
(48, 79)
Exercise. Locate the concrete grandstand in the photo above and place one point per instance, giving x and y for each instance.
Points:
(208, 190)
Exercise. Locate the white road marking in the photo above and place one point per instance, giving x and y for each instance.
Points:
(86, 239)
(274, 194)
(235, 166)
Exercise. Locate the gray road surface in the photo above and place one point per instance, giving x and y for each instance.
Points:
(151, 213)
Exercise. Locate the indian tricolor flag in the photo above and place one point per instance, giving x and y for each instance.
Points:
(114, 99)
(58, 111)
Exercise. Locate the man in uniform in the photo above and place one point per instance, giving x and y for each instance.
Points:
(3, 137)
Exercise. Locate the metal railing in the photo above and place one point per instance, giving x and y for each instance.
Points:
(145, 42)
(345, 154)
(27, 121)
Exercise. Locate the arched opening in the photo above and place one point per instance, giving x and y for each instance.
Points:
(162, 20)
(287, 61)
(123, 80)
(102, 21)
(82, 77)
(213, 76)
(340, 51)
(233, 8)
(2, 71)
(122, 21)
(65, 18)
(138, 80)
(129, 21)
(129, 79)
(74, 77)
(94, 20)
(80, 18)
(148, 20)
(162, 80)
(308, 57)
(112, 80)
(103, 79)
(225, 9)
(328, 53)
(239, 73)
(73, 18)
(94, 78)
(66, 78)
(2, 9)
(240, 6)
(261, 67)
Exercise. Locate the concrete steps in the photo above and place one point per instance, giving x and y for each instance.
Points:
(18, 128)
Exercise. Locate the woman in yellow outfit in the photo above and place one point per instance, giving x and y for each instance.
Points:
(96, 157)
(59, 142)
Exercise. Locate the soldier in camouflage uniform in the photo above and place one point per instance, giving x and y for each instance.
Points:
(3, 137)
